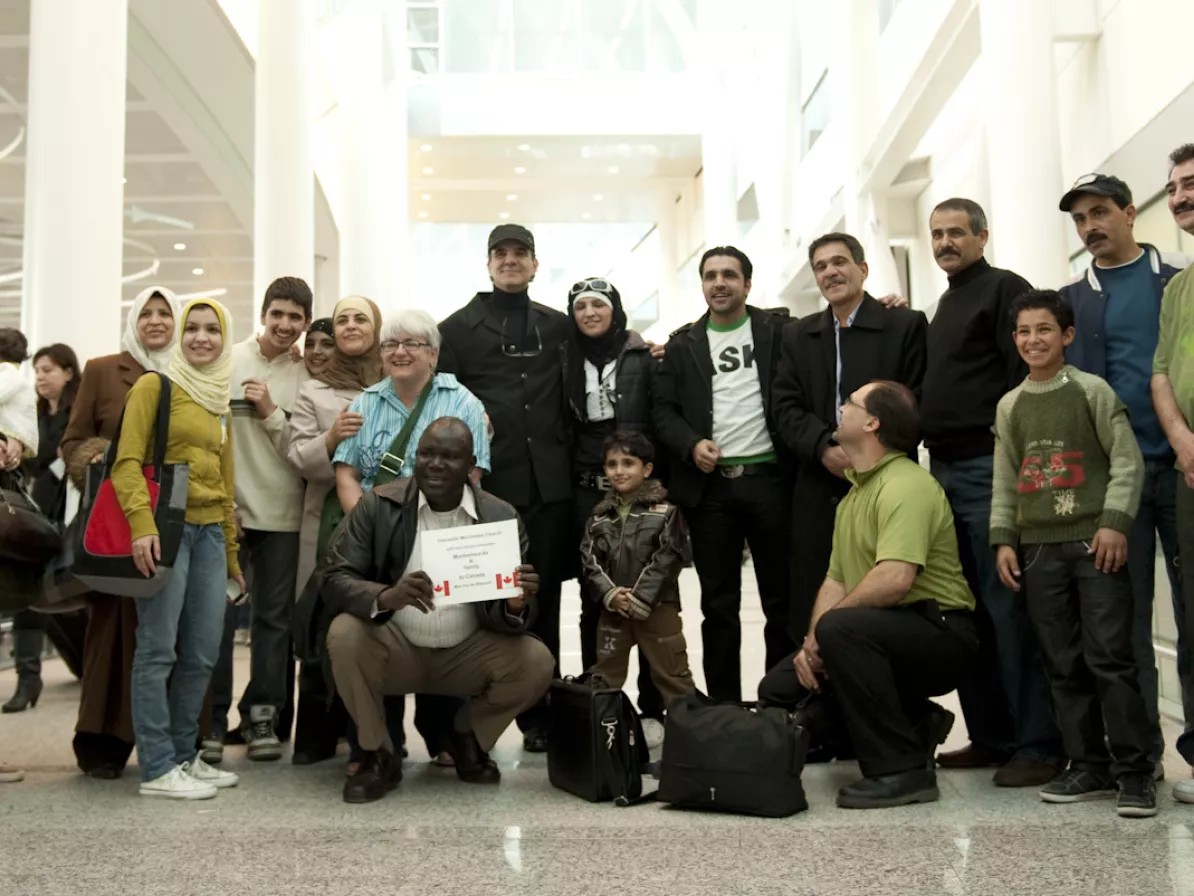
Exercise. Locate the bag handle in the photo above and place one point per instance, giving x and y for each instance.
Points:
(161, 433)
(389, 470)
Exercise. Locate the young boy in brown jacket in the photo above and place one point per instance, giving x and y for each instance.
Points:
(634, 546)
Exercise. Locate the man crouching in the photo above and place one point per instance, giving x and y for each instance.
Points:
(387, 636)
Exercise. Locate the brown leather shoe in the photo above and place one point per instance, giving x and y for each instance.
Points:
(1023, 771)
(472, 763)
(378, 774)
(972, 756)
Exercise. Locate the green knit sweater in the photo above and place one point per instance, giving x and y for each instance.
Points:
(1066, 462)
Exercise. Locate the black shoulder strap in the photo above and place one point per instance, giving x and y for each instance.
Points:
(161, 432)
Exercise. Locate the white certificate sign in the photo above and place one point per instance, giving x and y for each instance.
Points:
(467, 564)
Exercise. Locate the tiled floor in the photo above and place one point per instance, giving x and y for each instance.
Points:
(284, 830)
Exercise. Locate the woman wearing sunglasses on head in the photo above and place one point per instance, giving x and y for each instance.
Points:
(610, 385)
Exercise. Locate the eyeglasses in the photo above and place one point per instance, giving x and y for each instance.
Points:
(511, 351)
(596, 285)
(409, 345)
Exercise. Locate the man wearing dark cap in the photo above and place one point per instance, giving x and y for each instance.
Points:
(1117, 308)
(509, 352)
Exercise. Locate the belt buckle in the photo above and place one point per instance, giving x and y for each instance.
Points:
(394, 459)
(732, 471)
(603, 483)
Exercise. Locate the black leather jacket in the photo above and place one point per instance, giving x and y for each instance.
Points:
(369, 552)
(644, 553)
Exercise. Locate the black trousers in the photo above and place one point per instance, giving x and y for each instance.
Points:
(650, 701)
(554, 554)
(1083, 619)
(814, 506)
(752, 510)
(884, 664)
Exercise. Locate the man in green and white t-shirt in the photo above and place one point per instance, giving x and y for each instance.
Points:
(733, 477)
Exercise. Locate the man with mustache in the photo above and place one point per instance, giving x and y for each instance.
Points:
(1117, 309)
(1173, 396)
(825, 357)
(972, 362)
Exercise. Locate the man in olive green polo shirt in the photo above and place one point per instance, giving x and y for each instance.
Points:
(1173, 397)
(892, 623)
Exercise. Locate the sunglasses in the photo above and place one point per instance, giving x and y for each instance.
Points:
(511, 352)
(595, 285)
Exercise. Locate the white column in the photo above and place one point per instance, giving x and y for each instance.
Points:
(283, 156)
(1023, 140)
(671, 304)
(73, 251)
(719, 163)
(371, 122)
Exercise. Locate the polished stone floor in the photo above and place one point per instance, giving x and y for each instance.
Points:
(284, 830)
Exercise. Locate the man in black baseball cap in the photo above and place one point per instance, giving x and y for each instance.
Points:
(505, 349)
(1117, 309)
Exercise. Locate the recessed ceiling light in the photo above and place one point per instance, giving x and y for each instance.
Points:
(510, 197)
(426, 196)
(429, 171)
(197, 271)
(426, 147)
(503, 215)
(520, 170)
(422, 214)
(614, 169)
(524, 146)
(597, 197)
(180, 246)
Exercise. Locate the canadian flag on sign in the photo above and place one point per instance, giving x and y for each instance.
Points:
(504, 581)
(444, 588)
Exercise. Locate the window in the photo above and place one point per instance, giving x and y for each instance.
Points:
(816, 114)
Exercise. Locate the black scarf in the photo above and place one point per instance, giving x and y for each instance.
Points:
(601, 350)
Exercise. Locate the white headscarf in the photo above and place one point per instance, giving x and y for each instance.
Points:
(209, 386)
(131, 342)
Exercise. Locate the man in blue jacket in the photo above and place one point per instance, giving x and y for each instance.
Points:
(1117, 308)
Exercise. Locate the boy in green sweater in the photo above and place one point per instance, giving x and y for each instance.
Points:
(1068, 474)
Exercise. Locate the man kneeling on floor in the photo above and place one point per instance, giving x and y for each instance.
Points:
(387, 636)
(892, 623)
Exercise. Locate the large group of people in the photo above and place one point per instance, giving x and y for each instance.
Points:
(1018, 568)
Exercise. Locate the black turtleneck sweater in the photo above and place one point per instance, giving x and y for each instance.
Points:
(972, 362)
(511, 309)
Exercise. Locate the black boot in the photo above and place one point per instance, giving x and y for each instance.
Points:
(27, 646)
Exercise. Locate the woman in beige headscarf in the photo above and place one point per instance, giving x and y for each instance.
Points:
(319, 422)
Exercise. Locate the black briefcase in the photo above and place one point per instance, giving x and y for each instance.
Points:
(595, 748)
(732, 757)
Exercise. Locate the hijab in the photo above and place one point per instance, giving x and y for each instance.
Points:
(324, 325)
(210, 385)
(355, 373)
(600, 350)
(130, 341)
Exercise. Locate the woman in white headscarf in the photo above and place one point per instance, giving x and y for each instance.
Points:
(181, 626)
(104, 732)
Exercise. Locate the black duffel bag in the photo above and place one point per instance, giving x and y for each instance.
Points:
(595, 749)
(732, 757)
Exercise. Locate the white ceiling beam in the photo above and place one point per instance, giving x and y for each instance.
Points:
(1076, 21)
(607, 186)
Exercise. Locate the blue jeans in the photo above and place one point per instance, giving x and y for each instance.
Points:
(1006, 699)
(188, 614)
(1157, 516)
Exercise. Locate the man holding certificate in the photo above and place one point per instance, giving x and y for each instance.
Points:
(426, 592)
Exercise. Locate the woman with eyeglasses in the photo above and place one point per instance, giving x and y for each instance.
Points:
(610, 384)
(410, 344)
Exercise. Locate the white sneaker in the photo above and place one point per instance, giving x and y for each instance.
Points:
(10, 775)
(653, 733)
(176, 784)
(201, 771)
(1183, 791)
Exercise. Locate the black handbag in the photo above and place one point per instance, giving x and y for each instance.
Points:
(732, 757)
(26, 534)
(595, 749)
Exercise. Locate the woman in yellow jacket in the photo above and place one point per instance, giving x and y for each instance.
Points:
(188, 613)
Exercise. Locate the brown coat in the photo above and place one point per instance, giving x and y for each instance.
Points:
(100, 402)
(104, 732)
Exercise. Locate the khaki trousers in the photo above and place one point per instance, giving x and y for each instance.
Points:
(661, 637)
(500, 674)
